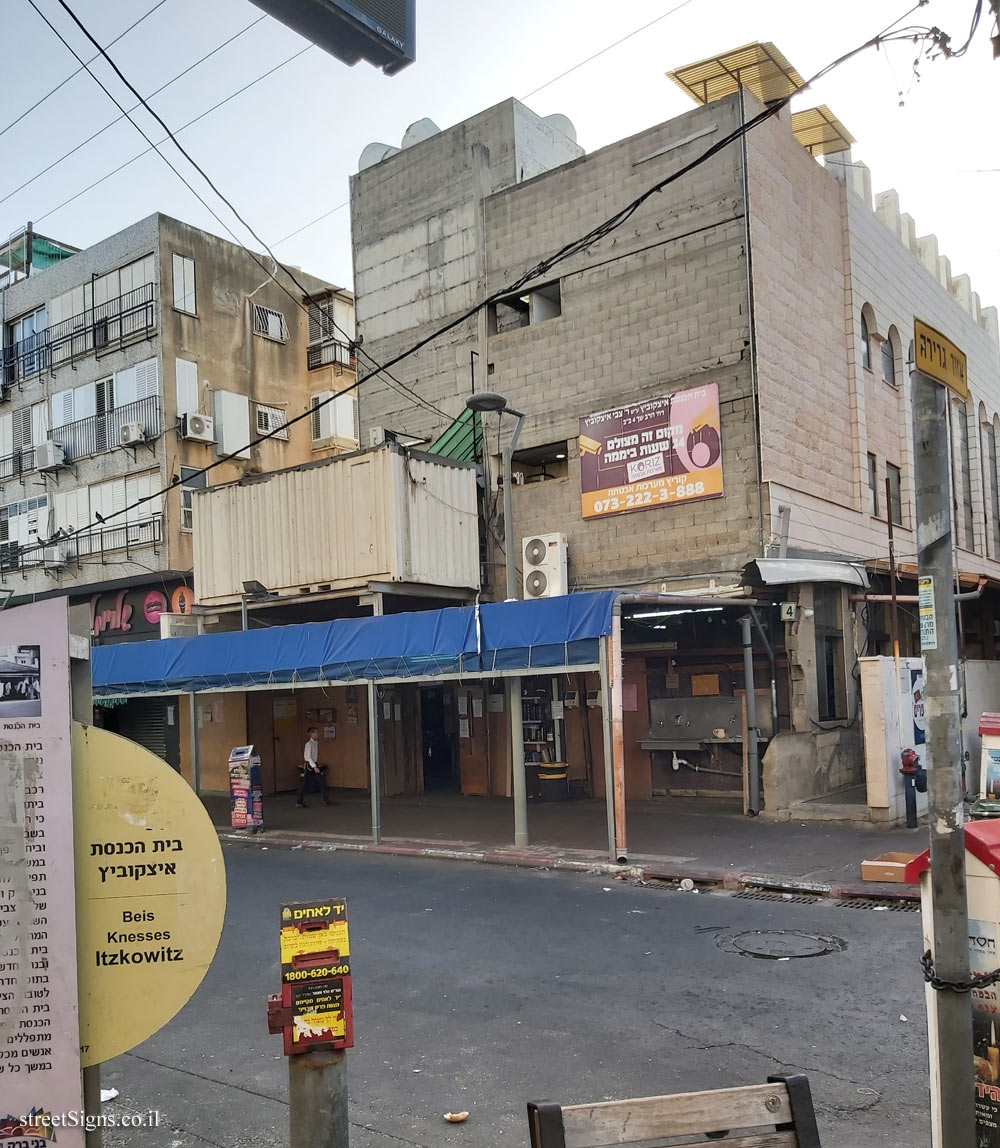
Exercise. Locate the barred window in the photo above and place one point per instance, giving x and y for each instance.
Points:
(271, 419)
(271, 324)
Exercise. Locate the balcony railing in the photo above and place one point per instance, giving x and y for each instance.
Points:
(100, 329)
(105, 543)
(330, 352)
(20, 462)
(103, 432)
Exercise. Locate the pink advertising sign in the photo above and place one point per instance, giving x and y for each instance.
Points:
(39, 1025)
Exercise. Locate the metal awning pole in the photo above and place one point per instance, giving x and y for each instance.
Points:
(609, 773)
(374, 764)
(193, 734)
(753, 746)
(520, 789)
(618, 735)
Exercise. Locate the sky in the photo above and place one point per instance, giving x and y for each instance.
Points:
(283, 150)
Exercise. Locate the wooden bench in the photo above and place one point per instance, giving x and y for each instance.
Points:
(778, 1114)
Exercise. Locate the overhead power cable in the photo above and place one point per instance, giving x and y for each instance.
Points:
(542, 267)
(118, 119)
(62, 83)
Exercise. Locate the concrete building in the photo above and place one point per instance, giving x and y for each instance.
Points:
(763, 293)
(126, 369)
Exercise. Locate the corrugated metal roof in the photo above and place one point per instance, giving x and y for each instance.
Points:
(820, 132)
(463, 440)
(785, 571)
(760, 68)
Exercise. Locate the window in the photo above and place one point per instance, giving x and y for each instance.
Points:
(990, 445)
(186, 381)
(192, 479)
(963, 478)
(540, 463)
(895, 494)
(888, 361)
(333, 417)
(26, 338)
(866, 344)
(184, 292)
(830, 670)
(873, 483)
(515, 311)
(271, 324)
(271, 419)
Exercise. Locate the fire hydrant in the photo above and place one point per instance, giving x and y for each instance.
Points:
(914, 782)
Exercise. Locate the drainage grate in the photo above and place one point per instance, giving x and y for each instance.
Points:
(786, 898)
(893, 906)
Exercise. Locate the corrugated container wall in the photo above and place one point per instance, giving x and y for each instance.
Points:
(379, 514)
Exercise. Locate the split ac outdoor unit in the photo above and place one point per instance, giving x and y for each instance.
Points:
(132, 434)
(49, 455)
(544, 565)
(198, 428)
(55, 555)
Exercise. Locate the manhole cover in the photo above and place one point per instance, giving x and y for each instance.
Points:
(780, 944)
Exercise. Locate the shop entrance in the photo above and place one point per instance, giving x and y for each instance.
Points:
(437, 731)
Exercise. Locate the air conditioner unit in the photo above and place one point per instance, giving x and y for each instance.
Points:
(376, 436)
(132, 434)
(57, 555)
(198, 428)
(544, 563)
(49, 455)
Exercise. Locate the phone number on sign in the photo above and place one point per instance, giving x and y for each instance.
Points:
(318, 974)
(648, 497)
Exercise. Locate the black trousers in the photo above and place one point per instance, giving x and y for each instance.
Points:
(311, 782)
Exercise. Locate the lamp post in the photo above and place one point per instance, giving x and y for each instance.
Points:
(253, 591)
(483, 402)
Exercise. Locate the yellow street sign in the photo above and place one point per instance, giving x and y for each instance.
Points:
(150, 891)
(939, 358)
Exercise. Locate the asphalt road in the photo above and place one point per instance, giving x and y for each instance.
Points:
(480, 987)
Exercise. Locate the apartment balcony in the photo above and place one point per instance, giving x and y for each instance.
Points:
(106, 544)
(101, 329)
(89, 436)
(330, 352)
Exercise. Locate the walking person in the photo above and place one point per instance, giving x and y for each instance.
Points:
(312, 772)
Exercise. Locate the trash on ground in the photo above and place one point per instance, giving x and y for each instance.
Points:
(456, 1117)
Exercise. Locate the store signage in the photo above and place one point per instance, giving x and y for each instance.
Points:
(938, 357)
(150, 891)
(137, 610)
(39, 1036)
(660, 452)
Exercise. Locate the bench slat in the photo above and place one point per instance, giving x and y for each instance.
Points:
(683, 1114)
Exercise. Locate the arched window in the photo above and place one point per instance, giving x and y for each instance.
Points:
(990, 451)
(866, 344)
(889, 357)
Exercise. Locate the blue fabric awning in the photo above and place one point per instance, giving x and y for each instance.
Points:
(548, 632)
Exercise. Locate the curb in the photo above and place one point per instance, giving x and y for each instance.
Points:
(649, 872)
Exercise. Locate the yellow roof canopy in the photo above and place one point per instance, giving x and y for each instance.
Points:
(820, 132)
(760, 68)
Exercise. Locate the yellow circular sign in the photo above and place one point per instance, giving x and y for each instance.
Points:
(150, 891)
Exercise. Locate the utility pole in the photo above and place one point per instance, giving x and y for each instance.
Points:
(952, 1105)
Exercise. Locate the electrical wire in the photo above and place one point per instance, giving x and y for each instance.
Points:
(111, 123)
(311, 223)
(540, 268)
(562, 75)
(62, 83)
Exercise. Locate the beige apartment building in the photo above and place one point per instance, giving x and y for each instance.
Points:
(757, 313)
(127, 368)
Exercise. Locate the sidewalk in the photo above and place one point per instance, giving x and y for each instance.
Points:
(712, 843)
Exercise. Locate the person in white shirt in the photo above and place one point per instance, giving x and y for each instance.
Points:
(312, 772)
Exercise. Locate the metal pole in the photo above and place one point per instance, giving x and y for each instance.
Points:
(893, 616)
(374, 765)
(514, 684)
(243, 611)
(82, 703)
(609, 775)
(753, 748)
(617, 735)
(317, 1099)
(193, 734)
(952, 1102)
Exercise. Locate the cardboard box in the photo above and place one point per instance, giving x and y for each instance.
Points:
(886, 867)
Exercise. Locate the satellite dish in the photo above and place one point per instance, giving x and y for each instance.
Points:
(562, 124)
(374, 153)
(419, 131)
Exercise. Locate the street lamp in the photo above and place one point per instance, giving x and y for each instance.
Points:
(253, 591)
(484, 402)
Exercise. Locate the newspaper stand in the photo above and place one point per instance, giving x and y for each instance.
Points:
(315, 1005)
(245, 796)
(982, 870)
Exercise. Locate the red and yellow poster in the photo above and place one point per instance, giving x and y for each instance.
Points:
(655, 453)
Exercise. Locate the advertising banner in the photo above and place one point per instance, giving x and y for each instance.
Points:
(659, 452)
(983, 958)
(39, 1025)
(245, 793)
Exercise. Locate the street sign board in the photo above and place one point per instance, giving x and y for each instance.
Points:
(939, 358)
(151, 891)
(39, 1055)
